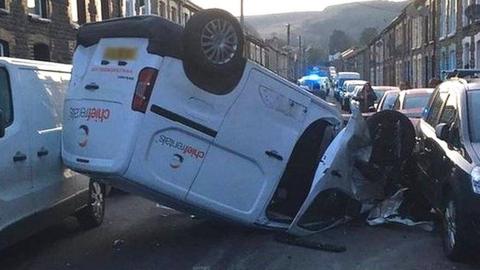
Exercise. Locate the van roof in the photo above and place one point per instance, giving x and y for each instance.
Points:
(32, 64)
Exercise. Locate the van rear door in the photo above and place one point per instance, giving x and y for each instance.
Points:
(100, 124)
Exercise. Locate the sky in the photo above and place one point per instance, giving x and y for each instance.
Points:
(257, 7)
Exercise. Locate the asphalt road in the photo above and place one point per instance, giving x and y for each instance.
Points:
(139, 234)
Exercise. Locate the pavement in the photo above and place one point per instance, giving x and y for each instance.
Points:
(140, 234)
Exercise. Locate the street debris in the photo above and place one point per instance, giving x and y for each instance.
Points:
(363, 167)
(388, 212)
(308, 243)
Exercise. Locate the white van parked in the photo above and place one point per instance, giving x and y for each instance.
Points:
(36, 189)
(179, 116)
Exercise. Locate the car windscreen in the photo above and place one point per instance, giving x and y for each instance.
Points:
(352, 87)
(343, 80)
(379, 94)
(389, 102)
(416, 101)
(474, 115)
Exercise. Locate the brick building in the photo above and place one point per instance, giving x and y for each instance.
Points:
(427, 38)
(46, 29)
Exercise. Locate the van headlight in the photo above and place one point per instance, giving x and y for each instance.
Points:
(476, 180)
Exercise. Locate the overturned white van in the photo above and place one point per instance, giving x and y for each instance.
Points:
(179, 116)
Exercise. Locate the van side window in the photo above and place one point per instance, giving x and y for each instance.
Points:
(6, 96)
(436, 108)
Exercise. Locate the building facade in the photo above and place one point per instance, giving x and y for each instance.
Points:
(46, 29)
(426, 39)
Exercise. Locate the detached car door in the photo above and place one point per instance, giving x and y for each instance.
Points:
(251, 150)
(330, 199)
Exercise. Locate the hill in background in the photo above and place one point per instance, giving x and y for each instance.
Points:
(317, 26)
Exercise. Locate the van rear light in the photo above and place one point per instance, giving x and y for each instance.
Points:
(143, 90)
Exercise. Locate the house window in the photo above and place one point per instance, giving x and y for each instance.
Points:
(3, 5)
(452, 16)
(145, 7)
(41, 52)
(4, 49)
(129, 8)
(466, 55)
(105, 7)
(443, 18)
(465, 4)
(163, 9)
(78, 10)
(174, 14)
(477, 55)
(453, 59)
(38, 7)
(185, 17)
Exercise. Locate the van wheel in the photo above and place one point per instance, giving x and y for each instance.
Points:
(213, 43)
(454, 231)
(92, 215)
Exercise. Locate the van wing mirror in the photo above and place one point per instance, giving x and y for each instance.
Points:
(2, 124)
(441, 131)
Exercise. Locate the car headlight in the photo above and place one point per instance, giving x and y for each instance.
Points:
(476, 180)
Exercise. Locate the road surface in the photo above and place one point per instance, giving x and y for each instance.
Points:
(139, 234)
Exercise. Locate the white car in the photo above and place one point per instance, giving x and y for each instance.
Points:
(347, 94)
(179, 116)
(36, 189)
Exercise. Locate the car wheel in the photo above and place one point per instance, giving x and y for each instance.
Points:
(92, 215)
(213, 43)
(454, 233)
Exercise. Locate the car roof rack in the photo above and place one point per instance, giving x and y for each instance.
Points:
(462, 73)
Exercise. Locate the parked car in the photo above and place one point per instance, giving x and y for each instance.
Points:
(156, 113)
(37, 190)
(342, 77)
(347, 94)
(379, 92)
(448, 159)
(412, 102)
(388, 100)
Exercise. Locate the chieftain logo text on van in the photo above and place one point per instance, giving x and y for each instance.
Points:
(90, 114)
(186, 149)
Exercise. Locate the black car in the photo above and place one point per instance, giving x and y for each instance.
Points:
(448, 156)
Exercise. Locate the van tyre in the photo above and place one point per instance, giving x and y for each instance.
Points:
(455, 233)
(213, 43)
(92, 215)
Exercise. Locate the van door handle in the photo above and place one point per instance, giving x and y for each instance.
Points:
(91, 86)
(42, 152)
(274, 154)
(19, 156)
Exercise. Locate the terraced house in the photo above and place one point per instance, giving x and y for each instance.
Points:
(46, 29)
(426, 39)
